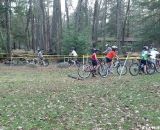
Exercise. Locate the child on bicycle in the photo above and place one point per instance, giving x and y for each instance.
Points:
(94, 60)
(144, 58)
(73, 55)
(40, 55)
(110, 55)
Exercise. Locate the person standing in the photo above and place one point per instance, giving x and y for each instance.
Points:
(144, 58)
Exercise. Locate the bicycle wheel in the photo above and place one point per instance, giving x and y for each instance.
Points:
(22, 61)
(14, 62)
(46, 62)
(84, 71)
(122, 70)
(103, 70)
(157, 66)
(150, 68)
(134, 69)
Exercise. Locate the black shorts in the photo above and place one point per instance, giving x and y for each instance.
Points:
(143, 62)
(94, 62)
(108, 60)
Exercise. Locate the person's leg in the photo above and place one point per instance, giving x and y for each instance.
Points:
(109, 64)
(110, 67)
(94, 64)
(145, 69)
(74, 60)
(144, 63)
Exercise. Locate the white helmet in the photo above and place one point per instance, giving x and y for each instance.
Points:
(145, 47)
(114, 47)
(106, 45)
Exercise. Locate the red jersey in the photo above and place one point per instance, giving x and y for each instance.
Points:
(111, 54)
(94, 56)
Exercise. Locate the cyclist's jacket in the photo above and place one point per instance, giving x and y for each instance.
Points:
(111, 55)
(144, 55)
(94, 56)
(74, 53)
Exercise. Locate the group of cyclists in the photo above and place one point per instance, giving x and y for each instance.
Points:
(147, 54)
(111, 52)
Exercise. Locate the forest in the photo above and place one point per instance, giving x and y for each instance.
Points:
(41, 24)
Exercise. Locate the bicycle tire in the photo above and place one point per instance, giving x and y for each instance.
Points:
(120, 71)
(157, 66)
(134, 69)
(22, 61)
(102, 70)
(150, 68)
(46, 63)
(14, 62)
(84, 71)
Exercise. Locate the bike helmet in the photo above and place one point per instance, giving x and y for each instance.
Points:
(94, 50)
(145, 47)
(114, 47)
(38, 50)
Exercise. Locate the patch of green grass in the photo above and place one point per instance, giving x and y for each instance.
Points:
(46, 98)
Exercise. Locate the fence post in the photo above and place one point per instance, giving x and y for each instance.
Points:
(87, 58)
(83, 59)
(64, 59)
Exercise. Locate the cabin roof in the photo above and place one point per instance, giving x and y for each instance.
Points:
(112, 39)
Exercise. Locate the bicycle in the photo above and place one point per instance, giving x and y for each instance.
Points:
(14, 61)
(137, 68)
(39, 61)
(84, 71)
(121, 69)
(73, 63)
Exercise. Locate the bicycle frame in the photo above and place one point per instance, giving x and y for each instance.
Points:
(88, 69)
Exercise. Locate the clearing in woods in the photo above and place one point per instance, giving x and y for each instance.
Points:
(46, 98)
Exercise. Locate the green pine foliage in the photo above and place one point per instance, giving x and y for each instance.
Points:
(78, 40)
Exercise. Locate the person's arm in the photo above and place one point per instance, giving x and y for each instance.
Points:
(104, 52)
(96, 57)
(116, 56)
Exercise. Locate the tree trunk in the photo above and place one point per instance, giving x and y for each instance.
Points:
(49, 46)
(125, 22)
(56, 27)
(118, 17)
(86, 13)
(8, 31)
(104, 19)
(33, 32)
(78, 16)
(67, 12)
(44, 35)
(29, 15)
(95, 24)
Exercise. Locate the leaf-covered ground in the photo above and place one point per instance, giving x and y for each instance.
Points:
(47, 99)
